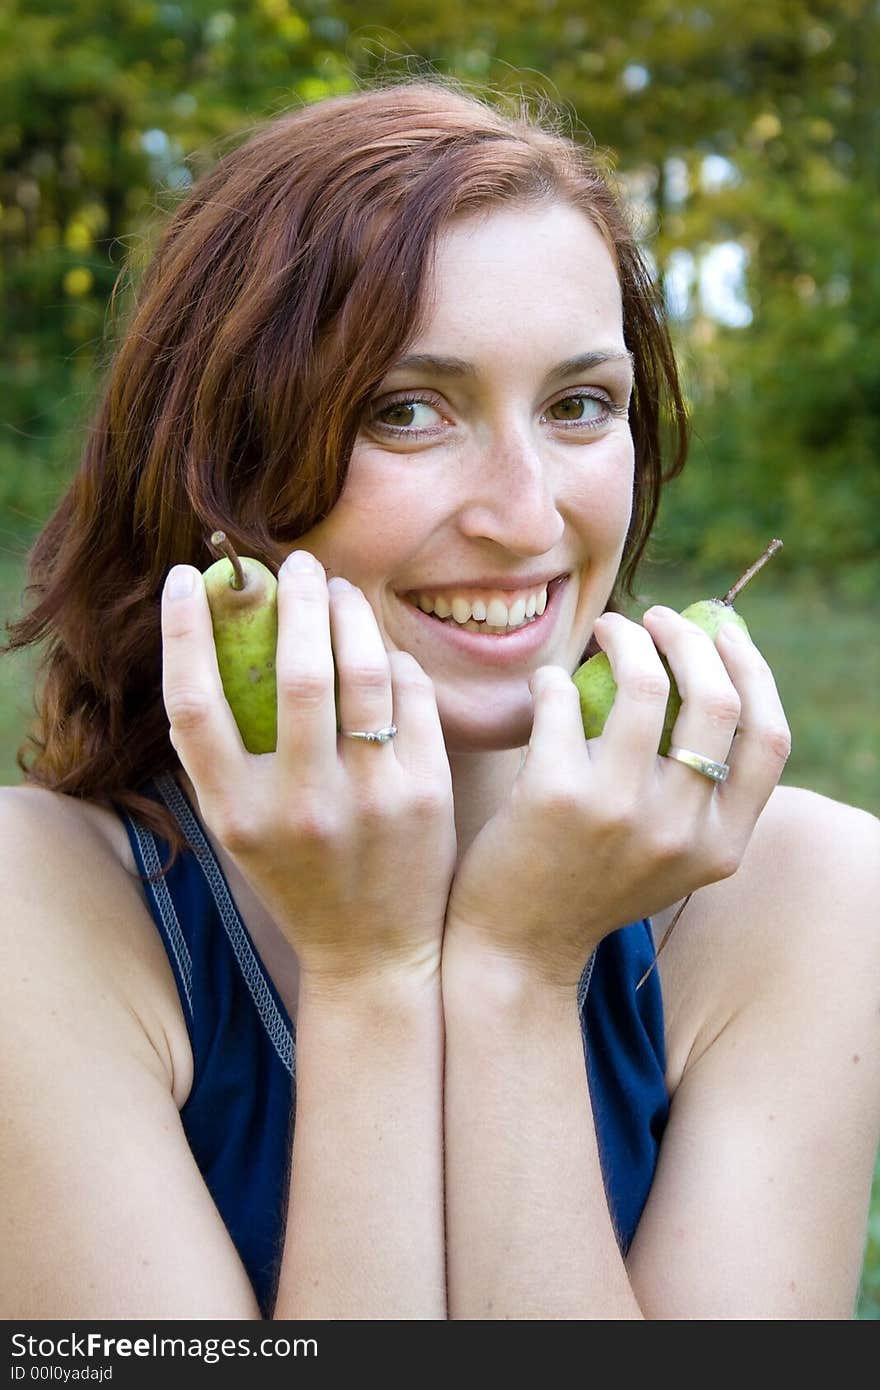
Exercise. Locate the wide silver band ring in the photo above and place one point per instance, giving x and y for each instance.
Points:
(380, 735)
(707, 767)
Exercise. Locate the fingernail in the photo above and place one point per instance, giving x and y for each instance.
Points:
(733, 632)
(338, 585)
(181, 582)
(660, 609)
(299, 560)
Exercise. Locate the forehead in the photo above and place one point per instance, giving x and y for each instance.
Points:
(536, 270)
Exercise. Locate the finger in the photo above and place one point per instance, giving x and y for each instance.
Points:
(710, 703)
(763, 739)
(304, 668)
(557, 726)
(203, 730)
(365, 695)
(632, 731)
(419, 744)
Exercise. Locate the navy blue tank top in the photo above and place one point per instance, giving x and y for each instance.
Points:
(238, 1118)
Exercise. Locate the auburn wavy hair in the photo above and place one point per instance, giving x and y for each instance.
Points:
(285, 284)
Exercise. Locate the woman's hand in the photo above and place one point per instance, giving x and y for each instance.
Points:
(601, 833)
(350, 845)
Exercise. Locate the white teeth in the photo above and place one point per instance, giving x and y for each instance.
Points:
(495, 616)
(517, 613)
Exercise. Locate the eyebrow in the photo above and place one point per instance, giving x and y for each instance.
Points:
(458, 367)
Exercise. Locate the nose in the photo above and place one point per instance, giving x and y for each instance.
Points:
(513, 500)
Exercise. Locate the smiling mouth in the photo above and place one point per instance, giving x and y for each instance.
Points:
(490, 615)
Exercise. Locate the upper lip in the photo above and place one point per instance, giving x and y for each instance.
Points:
(508, 583)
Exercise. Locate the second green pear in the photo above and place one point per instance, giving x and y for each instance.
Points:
(597, 687)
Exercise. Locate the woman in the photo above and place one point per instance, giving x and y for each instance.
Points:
(404, 341)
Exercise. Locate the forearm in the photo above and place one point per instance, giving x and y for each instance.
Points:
(365, 1225)
(529, 1234)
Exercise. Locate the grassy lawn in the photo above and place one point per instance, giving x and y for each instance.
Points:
(821, 645)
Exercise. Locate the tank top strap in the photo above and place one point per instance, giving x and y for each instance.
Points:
(189, 904)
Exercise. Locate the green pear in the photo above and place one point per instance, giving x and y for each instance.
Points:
(243, 599)
(596, 685)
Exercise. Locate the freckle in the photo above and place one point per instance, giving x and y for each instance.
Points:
(793, 1286)
(856, 1057)
(771, 1117)
(771, 1179)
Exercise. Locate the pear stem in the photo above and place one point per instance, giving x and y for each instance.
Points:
(751, 572)
(219, 542)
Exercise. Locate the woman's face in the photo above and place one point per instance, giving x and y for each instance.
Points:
(497, 462)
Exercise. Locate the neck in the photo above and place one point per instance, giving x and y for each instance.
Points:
(480, 782)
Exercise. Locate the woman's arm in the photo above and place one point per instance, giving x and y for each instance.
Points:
(593, 834)
(529, 1231)
(365, 1226)
(316, 827)
(759, 1205)
(104, 1211)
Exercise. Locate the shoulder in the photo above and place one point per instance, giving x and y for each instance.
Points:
(78, 919)
(772, 980)
(798, 919)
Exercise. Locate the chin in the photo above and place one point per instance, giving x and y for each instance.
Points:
(472, 736)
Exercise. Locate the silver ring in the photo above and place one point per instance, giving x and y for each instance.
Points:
(707, 767)
(380, 736)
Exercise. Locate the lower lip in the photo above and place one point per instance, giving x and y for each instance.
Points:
(497, 649)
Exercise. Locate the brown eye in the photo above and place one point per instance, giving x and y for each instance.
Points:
(397, 414)
(579, 409)
(410, 416)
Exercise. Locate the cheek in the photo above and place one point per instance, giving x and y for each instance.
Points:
(602, 495)
(374, 525)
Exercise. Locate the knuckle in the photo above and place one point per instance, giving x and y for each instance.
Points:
(367, 676)
(187, 709)
(561, 802)
(649, 687)
(315, 823)
(725, 861)
(306, 687)
(236, 837)
(426, 802)
(722, 706)
(671, 844)
(777, 741)
(235, 829)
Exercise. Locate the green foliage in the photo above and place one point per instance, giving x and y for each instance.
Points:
(108, 111)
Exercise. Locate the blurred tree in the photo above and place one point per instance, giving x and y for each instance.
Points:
(745, 136)
(107, 107)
